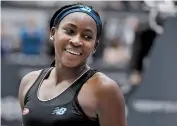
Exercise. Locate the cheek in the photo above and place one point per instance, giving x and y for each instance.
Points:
(60, 36)
(59, 43)
(88, 48)
(61, 40)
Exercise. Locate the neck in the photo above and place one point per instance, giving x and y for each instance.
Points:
(63, 73)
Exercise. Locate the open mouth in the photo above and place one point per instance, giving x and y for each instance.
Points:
(72, 52)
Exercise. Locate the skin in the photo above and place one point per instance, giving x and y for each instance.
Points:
(100, 95)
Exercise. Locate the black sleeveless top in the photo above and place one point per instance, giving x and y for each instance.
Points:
(63, 110)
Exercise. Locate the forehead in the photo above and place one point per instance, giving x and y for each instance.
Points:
(80, 19)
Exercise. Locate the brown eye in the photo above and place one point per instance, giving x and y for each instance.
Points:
(88, 37)
(69, 31)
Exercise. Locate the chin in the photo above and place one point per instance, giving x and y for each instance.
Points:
(71, 64)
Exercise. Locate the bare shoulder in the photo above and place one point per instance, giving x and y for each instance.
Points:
(32, 76)
(26, 82)
(110, 101)
(105, 84)
(106, 89)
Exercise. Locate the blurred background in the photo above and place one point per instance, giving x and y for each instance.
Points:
(138, 49)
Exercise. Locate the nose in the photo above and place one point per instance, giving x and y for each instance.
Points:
(76, 41)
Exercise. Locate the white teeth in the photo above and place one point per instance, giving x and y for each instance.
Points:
(72, 52)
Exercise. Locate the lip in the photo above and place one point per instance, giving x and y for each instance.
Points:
(73, 52)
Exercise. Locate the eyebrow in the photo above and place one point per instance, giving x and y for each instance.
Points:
(87, 30)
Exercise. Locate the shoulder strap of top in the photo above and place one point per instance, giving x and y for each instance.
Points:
(35, 84)
(87, 76)
(53, 63)
(81, 81)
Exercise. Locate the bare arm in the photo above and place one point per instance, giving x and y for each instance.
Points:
(26, 82)
(111, 105)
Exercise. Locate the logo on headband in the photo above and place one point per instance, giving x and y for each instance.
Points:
(86, 9)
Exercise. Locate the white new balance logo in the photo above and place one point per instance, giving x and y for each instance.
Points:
(59, 111)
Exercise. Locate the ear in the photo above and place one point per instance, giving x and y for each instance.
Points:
(52, 33)
(95, 46)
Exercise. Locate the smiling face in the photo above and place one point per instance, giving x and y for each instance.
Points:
(75, 39)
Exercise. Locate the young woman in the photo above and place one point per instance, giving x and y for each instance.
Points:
(70, 93)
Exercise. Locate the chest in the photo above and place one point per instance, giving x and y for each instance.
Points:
(55, 114)
(50, 115)
(64, 105)
(64, 93)
(46, 91)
